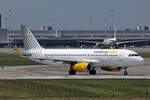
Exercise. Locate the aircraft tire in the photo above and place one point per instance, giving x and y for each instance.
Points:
(92, 72)
(125, 73)
(72, 72)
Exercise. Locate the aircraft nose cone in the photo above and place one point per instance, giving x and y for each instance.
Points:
(141, 60)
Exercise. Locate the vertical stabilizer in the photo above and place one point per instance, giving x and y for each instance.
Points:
(29, 40)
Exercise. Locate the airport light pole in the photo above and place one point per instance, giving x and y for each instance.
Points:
(52, 23)
(105, 35)
(6, 22)
(90, 22)
(112, 19)
(10, 18)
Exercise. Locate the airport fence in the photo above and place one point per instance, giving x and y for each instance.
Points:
(74, 98)
(60, 91)
(63, 92)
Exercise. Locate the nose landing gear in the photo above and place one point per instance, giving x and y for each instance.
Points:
(125, 71)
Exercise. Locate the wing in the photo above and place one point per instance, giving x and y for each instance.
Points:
(130, 41)
(68, 60)
(92, 42)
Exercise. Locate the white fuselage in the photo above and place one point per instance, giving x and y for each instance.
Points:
(97, 57)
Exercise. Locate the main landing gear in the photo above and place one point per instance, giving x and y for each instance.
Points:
(92, 71)
(125, 71)
(72, 72)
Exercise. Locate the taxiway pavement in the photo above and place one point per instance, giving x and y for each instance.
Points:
(60, 71)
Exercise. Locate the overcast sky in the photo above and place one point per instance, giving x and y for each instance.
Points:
(74, 14)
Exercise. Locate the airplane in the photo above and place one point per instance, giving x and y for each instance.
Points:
(106, 41)
(111, 42)
(80, 60)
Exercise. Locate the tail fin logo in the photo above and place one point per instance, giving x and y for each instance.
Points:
(27, 34)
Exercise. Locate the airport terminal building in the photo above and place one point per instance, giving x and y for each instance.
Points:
(71, 38)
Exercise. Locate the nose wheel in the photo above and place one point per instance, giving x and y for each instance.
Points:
(125, 71)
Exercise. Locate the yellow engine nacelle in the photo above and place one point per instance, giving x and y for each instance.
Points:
(81, 67)
(112, 68)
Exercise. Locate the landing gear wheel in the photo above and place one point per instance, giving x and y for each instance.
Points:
(92, 72)
(72, 72)
(125, 72)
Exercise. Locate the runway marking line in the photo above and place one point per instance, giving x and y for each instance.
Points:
(21, 71)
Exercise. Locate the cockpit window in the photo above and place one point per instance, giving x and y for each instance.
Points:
(131, 55)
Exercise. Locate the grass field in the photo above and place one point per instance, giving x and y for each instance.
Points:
(14, 60)
(145, 55)
(58, 89)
